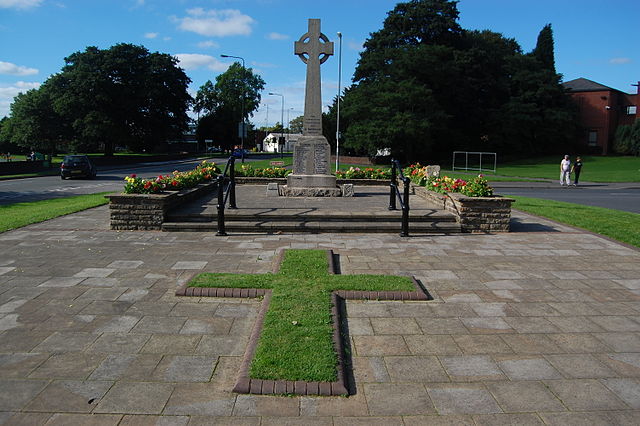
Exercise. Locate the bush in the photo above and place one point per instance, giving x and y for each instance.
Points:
(627, 139)
(247, 170)
(366, 173)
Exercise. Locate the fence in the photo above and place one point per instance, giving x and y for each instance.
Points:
(474, 163)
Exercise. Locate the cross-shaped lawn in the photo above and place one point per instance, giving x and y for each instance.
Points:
(297, 338)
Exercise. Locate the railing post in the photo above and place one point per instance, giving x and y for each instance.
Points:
(405, 208)
(221, 230)
(392, 186)
(232, 184)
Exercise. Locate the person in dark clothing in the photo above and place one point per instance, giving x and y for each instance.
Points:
(575, 170)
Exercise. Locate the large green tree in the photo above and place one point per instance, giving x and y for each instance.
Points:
(424, 87)
(34, 124)
(123, 95)
(235, 94)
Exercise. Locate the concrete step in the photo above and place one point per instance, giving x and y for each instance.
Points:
(315, 226)
(279, 216)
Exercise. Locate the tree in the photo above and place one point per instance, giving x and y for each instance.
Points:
(295, 125)
(33, 122)
(236, 92)
(544, 49)
(424, 87)
(123, 95)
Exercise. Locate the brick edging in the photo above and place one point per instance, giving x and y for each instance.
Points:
(246, 385)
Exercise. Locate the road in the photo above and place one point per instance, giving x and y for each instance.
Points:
(108, 180)
(618, 196)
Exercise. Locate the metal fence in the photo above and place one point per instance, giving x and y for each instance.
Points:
(468, 160)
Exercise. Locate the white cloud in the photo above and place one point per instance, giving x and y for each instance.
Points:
(19, 4)
(13, 69)
(618, 61)
(192, 61)
(208, 44)
(277, 36)
(216, 23)
(355, 45)
(7, 93)
(151, 35)
(263, 64)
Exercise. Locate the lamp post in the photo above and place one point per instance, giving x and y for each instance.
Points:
(338, 110)
(242, 128)
(281, 118)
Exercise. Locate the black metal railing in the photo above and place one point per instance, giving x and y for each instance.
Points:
(394, 193)
(226, 192)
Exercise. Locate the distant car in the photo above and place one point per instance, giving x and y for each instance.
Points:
(77, 166)
(239, 153)
(214, 149)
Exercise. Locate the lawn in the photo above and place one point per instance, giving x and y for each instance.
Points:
(296, 340)
(595, 169)
(16, 215)
(619, 225)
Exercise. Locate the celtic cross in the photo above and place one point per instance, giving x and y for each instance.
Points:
(313, 48)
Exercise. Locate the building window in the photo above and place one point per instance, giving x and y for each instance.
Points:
(632, 110)
(593, 138)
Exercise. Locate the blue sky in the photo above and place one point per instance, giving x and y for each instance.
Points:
(595, 39)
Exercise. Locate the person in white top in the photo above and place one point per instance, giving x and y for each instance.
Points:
(565, 171)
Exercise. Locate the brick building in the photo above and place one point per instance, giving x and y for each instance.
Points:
(601, 110)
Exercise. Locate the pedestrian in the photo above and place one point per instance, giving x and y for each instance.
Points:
(577, 167)
(565, 171)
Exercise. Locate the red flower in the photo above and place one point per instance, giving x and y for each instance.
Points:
(133, 175)
(174, 183)
(147, 185)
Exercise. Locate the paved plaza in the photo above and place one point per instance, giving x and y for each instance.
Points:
(537, 326)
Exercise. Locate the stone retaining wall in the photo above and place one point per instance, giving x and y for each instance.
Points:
(148, 211)
(475, 214)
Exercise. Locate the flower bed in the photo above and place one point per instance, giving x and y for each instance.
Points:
(475, 214)
(144, 203)
(472, 202)
(148, 211)
(204, 172)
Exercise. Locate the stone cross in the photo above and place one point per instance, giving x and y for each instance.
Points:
(314, 48)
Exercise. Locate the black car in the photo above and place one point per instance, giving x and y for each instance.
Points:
(77, 166)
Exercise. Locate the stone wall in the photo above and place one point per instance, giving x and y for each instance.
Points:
(475, 214)
(147, 211)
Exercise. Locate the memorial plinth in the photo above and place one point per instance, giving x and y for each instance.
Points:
(311, 175)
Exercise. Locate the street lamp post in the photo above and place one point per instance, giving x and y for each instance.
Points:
(338, 110)
(242, 128)
(281, 119)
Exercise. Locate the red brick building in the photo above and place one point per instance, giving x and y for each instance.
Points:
(601, 109)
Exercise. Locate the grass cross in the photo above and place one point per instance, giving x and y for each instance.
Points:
(297, 342)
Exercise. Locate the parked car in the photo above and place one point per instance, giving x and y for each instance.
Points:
(77, 166)
(214, 149)
(240, 153)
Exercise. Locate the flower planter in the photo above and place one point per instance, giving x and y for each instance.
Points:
(475, 214)
(148, 211)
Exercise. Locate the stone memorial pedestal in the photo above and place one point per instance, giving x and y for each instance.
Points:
(311, 177)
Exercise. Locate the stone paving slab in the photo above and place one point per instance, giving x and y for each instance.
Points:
(538, 326)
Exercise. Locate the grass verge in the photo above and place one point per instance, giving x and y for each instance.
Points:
(619, 225)
(296, 339)
(16, 215)
(595, 169)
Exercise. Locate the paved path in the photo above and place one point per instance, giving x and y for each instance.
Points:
(541, 325)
